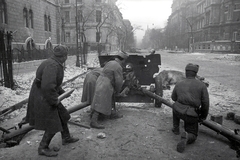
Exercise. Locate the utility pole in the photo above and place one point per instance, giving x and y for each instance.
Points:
(77, 51)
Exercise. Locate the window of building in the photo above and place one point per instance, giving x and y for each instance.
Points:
(67, 37)
(25, 17)
(98, 1)
(98, 16)
(226, 8)
(30, 18)
(97, 36)
(80, 16)
(67, 16)
(237, 6)
(203, 46)
(66, 1)
(49, 24)
(234, 38)
(3, 12)
(229, 15)
(45, 22)
(207, 17)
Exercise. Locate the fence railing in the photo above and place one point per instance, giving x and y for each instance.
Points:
(6, 72)
(30, 55)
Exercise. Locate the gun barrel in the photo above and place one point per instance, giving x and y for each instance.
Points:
(157, 97)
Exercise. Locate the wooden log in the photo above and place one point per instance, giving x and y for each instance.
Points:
(20, 104)
(26, 128)
(14, 107)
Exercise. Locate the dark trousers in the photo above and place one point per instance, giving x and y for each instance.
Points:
(190, 125)
(47, 137)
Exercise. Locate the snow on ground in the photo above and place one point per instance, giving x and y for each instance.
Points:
(9, 97)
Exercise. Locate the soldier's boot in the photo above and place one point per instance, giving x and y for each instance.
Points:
(175, 130)
(94, 121)
(43, 148)
(182, 144)
(66, 137)
(90, 111)
(115, 114)
(191, 138)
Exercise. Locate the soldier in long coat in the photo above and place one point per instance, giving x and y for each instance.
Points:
(44, 111)
(108, 83)
(191, 105)
(89, 85)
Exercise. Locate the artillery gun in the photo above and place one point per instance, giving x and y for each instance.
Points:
(140, 68)
(142, 87)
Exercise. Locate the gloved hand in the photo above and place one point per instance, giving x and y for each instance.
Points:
(56, 105)
(124, 92)
(200, 119)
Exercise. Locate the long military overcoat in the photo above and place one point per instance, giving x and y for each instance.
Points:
(43, 112)
(110, 81)
(89, 85)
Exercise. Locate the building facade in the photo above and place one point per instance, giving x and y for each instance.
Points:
(33, 23)
(91, 21)
(41, 24)
(205, 25)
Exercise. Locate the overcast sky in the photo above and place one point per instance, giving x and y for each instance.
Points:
(145, 13)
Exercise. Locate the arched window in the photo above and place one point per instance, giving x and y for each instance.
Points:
(25, 17)
(3, 12)
(30, 18)
(49, 45)
(30, 44)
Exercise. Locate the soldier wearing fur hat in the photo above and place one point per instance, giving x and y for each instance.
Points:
(108, 84)
(191, 105)
(44, 111)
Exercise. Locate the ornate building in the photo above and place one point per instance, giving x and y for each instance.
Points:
(205, 25)
(33, 23)
(96, 23)
(42, 24)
